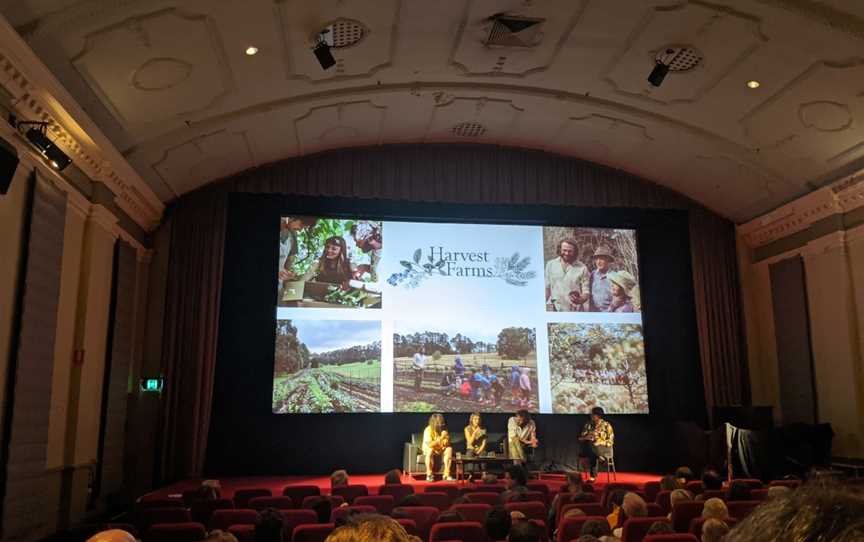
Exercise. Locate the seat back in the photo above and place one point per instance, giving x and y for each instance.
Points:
(492, 499)
(696, 525)
(409, 525)
(201, 510)
(531, 509)
(243, 496)
(441, 501)
(350, 492)
(152, 516)
(695, 487)
(677, 537)
(635, 529)
(423, 516)
(176, 532)
(791, 484)
(245, 533)
(651, 490)
(654, 509)
(752, 483)
(589, 508)
(300, 492)
(683, 512)
(466, 531)
(451, 490)
(335, 500)
(714, 494)
(472, 511)
(312, 533)
(339, 514)
(664, 499)
(485, 488)
(540, 487)
(741, 509)
(160, 502)
(279, 503)
(222, 519)
(291, 519)
(397, 491)
(571, 528)
(382, 503)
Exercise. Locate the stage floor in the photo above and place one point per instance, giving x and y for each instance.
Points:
(276, 483)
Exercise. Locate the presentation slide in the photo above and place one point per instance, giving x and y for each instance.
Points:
(385, 316)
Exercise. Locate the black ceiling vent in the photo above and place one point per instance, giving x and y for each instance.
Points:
(514, 31)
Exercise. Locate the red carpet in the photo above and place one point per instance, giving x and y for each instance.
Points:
(276, 483)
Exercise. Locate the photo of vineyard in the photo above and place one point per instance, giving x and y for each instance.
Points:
(597, 365)
(327, 366)
(489, 372)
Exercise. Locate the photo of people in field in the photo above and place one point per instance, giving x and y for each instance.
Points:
(439, 369)
(327, 366)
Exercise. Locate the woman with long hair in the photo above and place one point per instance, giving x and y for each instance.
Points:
(475, 436)
(334, 265)
(436, 442)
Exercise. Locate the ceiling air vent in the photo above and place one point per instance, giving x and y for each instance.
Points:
(469, 129)
(346, 33)
(680, 59)
(515, 31)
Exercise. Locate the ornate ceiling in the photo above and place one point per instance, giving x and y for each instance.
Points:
(171, 87)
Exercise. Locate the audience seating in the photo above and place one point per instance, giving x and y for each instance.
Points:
(343, 511)
(243, 496)
(695, 487)
(741, 509)
(651, 490)
(752, 483)
(335, 500)
(683, 513)
(176, 532)
(677, 537)
(714, 494)
(294, 518)
(696, 525)
(466, 531)
(452, 490)
(312, 533)
(571, 528)
(635, 529)
(397, 491)
(590, 509)
(663, 499)
(472, 511)
(542, 488)
(759, 494)
(159, 502)
(222, 519)
(533, 496)
(201, 510)
(279, 503)
(654, 509)
(615, 486)
(491, 499)
(246, 533)
(409, 525)
(382, 503)
(441, 501)
(298, 493)
(152, 516)
(423, 516)
(350, 492)
(483, 488)
(791, 484)
(190, 496)
(531, 509)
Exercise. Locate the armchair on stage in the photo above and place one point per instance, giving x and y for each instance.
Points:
(413, 460)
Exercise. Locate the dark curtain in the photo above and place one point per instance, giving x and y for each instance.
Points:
(442, 173)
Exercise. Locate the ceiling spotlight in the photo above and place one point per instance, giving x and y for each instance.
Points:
(38, 136)
(251, 50)
(322, 49)
(753, 84)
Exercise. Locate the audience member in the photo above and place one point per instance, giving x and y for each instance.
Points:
(812, 512)
(209, 490)
(633, 507)
(778, 491)
(489, 479)
(738, 491)
(524, 531)
(371, 528)
(679, 495)
(516, 515)
(217, 535)
(711, 480)
(616, 499)
(661, 527)
(684, 475)
(587, 538)
(516, 481)
(112, 535)
(715, 509)
(596, 528)
(669, 483)
(339, 478)
(498, 523)
(323, 507)
(462, 500)
(449, 516)
(393, 477)
(269, 526)
(575, 494)
(713, 530)
(410, 500)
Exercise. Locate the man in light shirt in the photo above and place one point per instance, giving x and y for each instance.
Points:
(418, 364)
(567, 280)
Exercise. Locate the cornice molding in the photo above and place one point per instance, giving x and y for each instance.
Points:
(37, 95)
(839, 197)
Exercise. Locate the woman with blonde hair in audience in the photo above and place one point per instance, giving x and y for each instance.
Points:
(715, 509)
(633, 507)
(371, 528)
(713, 530)
(339, 478)
(679, 495)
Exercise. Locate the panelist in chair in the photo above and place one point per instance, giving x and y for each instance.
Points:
(521, 435)
(596, 440)
(436, 442)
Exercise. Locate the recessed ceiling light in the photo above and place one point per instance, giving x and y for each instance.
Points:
(753, 84)
(251, 50)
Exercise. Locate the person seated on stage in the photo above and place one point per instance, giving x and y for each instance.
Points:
(524, 531)
(339, 478)
(498, 523)
(436, 442)
(597, 440)
(393, 477)
(521, 433)
(679, 495)
(516, 482)
(475, 436)
(670, 483)
(715, 509)
(269, 526)
(334, 265)
(713, 530)
(684, 475)
(596, 527)
(616, 499)
(633, 507)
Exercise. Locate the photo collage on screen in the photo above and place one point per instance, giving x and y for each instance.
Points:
(456, 318)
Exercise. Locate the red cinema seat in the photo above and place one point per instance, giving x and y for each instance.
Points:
(664, 500)
(191, 496)
(160, 502)
(472, 511)
(695, 487)
(452, 490)
(530, 496)
(176, 532)
(382, 503)
(492, 499)
(677, 537)
(635, 529)
(714, 494)
(312, 533)
(651, 490)
(542, 488)
(696, 525)
(466, 531)
(298, 493)
(424, 517)
(571, 528)
(279, 503)
(291, 519)
(589, 508)
(741, 509)
(485, 488)
(441, 501)
(531, 509)
(339, 514)
(222, 519)
(335, 500)
(654, 509)
(759, 494)
(409, 525)
(752, 483)
(349, 493)
(201, 510)
(683, 513)
(243, 496)
(152, 516)
(397, 491)
(246, 533)
(791, 484)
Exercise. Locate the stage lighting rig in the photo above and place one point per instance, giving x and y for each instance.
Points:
(661, 66)
(322, 49)
(38, 136)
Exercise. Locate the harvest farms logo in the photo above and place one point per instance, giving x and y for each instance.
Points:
(512, 270)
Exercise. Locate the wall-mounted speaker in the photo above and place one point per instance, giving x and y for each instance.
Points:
(8, 165)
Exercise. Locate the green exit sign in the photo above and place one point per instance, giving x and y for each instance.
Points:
(151, 384)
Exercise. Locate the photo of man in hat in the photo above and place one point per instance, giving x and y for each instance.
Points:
(601, 287)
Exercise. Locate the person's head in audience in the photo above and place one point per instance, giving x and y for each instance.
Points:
(679, 495)
(516, 515)
(574, 483)
(370, 528)
(684, 475)
(814, 512)
(634, 506)
(713, 530)
(323, 507)
(450, 516)
(524, 531)
(462, 500)
(711, 480)
(515, 476)
(715, 508)
(661, 527)
(217, 535)
(596, 527)
(339, 478)
(393, 477)
(112, 535)
(269, 526)
(489, 479)
(669, 483)
(738, 491)
(209, 490)
(410, 500)
(617, 498)
(778, 491)
(573, 513)
(498, 523)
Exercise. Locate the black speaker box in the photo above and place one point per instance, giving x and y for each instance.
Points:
(8, 165)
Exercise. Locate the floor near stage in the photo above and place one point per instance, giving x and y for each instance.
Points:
(276, 483)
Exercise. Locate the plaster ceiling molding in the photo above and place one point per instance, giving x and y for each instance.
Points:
(173, 66)
(725, 38)
(817, 114)
(198, 161)
(300, 21)
(496, 118)
(732, 185)
(603, 139)
(334, 126)
(472, 56)
(791, 218)
(850, 192)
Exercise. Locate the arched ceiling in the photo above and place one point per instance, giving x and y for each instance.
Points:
(170, 84)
